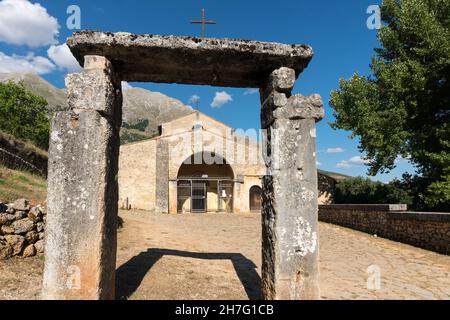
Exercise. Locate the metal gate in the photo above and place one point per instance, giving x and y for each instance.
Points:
(198, 197)
(184, 196)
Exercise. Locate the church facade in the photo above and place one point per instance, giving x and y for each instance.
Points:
(197, 164)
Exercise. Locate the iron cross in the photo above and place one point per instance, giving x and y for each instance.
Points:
(203, 22)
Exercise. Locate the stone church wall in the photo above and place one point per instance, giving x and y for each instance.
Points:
(137, 175)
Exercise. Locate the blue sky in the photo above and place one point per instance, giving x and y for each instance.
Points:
(32, 41)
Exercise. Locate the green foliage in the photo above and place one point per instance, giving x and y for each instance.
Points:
(365, 191)
(140, 125)
(23, 114)
(403, 109)
(129, 136)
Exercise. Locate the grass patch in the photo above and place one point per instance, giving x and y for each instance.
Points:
(16, 184)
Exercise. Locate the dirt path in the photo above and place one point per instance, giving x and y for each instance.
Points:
(218, 257)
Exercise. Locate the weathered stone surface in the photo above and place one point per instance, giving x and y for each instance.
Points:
(3, 219)
(289, 224)
(29, 251)
(92, 89)
(301, 107)
(6, 250)
(20, 215)
(295, 108)
(218, 62)
(40, 227)
(39, 245)
(35, 214)
(32, 236)
(82, 201)
(21, 204)
(281, 80)
(6, 229)
(92, 62)
(16, 242)
(22, 226)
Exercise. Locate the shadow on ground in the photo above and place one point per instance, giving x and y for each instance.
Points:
(130, 275)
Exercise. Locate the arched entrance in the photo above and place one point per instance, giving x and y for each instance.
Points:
(255, 196)
(204, 185)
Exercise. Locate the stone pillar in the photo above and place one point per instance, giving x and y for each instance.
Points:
(80, 250)
(237, 197)
(290, 211)
(162, 177)
(173, 201)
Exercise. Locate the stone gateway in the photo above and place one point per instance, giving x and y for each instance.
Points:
(80, 252)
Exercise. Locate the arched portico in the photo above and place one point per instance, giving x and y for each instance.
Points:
(203, 185)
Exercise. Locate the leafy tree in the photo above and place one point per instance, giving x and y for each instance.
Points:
(23, 114)
(360, 190)
(128, 136)
(403, 109)
(140, 125)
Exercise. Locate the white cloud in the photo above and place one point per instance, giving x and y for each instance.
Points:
(25, 23)
(318, 163)
(352, 162)
(400, 159)
(250, 91)
(24, 64)
(194, 99)
(220, 99)
(126, 86)
(335, 150)
(63, 58)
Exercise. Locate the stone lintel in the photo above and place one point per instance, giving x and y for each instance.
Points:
(97, 62)
(188, 60)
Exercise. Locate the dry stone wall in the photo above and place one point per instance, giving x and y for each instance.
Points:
(21, 229)
(427, 230)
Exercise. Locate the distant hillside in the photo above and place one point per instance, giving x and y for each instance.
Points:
(21, 155)
(56, 98)
(157, 108)
(139, 105)
(336, 176)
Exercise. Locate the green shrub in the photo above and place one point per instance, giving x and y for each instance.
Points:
(24, 115)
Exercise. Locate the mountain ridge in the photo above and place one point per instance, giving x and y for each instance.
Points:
(138, 103)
